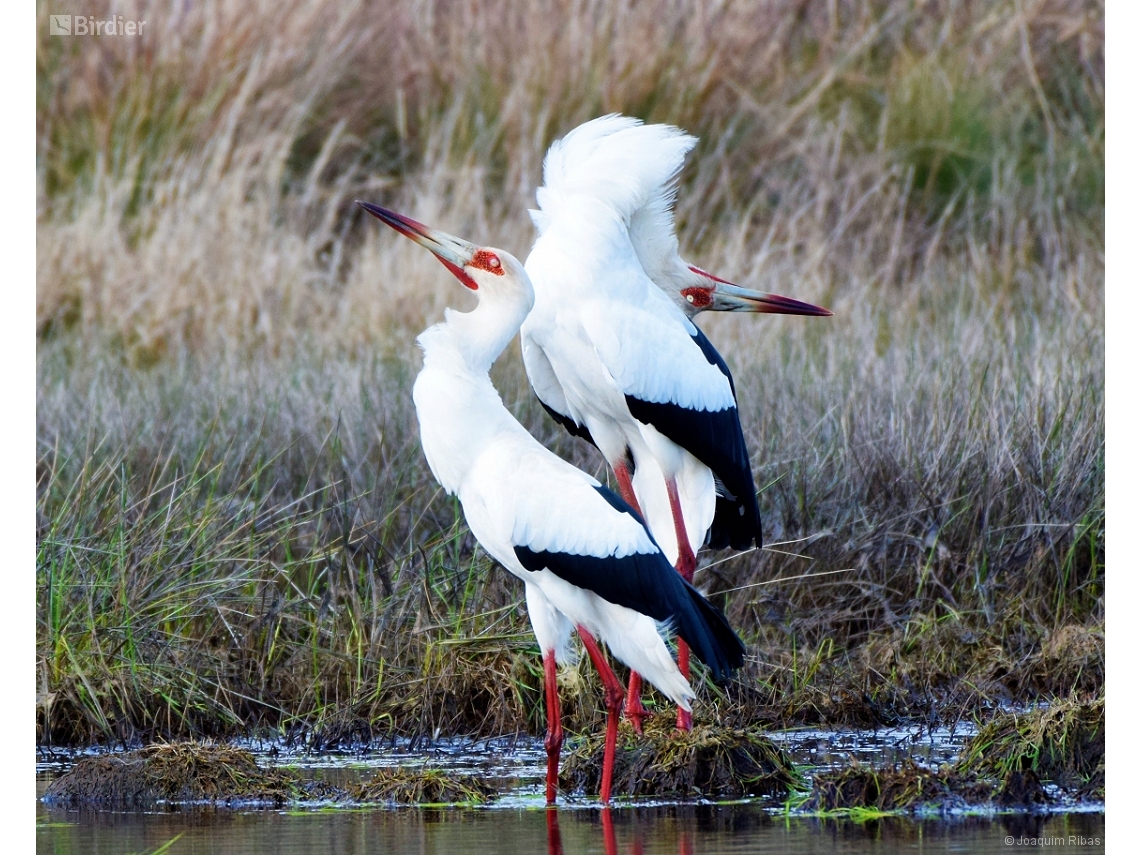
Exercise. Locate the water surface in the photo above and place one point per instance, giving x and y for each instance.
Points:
(518, 822)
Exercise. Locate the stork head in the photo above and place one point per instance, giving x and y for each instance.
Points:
(487, 271)
(702, 291)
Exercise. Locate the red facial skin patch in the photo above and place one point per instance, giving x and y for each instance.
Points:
(486, 260)
(699, 298)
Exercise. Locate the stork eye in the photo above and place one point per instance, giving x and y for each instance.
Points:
(487, 260)
(699, 298)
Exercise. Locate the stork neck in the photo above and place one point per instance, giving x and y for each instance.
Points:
(483, 334)
(459, 410)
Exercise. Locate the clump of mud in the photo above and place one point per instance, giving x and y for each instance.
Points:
(709, 761)
(1021, 789)
(909, 787)
(177, 772)
(422, 786)
(1063, 742)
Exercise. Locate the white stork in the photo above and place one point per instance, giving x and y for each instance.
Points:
(611, 351)
(585, 557)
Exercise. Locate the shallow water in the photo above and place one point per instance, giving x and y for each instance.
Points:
(517, 823)
(672, 829)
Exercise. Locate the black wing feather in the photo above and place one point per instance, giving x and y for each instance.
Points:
(717, 440)
(713, 357)
(646, 583)
(572, 426)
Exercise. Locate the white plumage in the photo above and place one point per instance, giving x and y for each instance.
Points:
(612, 313)
(601, 329)
(610, 348)
(586, 560)
(515, 492)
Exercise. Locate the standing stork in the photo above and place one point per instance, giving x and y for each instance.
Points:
(611, 351)
(585, 557)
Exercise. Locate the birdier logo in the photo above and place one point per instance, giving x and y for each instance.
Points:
(83, 25)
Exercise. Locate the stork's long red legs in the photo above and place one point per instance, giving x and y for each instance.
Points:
(634, 711)
(553, 726)
(625, 487)
(686, 565)
(614, 695)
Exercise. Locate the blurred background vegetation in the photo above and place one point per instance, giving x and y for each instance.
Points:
(236, 527)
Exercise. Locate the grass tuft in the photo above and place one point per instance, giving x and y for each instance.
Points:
(907, 786)
(177, 772)
(235, 527)
(707, 762)
(422, 786)
(1062, 742)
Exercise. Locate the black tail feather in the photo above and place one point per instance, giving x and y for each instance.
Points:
(736, 523)
(707, 631)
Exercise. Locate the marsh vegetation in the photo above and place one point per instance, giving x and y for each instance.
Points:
(235, 527)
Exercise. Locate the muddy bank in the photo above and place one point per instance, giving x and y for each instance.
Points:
(193, 773)
(1040, 759)
(1004, 766)
(180, 772)
(912, 787)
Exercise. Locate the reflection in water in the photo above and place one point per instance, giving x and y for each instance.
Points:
(519, 824)
(517, 830)
(1072, 833)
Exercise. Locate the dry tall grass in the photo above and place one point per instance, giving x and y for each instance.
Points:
(235, 522)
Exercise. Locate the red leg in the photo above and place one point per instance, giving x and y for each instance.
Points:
(634, 711)
(553, 834)
(614, 695)
(625, 487)
(686, 566)
(686, 559)
(684, 717)
(553, 727)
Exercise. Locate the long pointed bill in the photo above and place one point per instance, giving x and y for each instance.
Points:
(727, 297)
(455, 253)
(730, 298)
